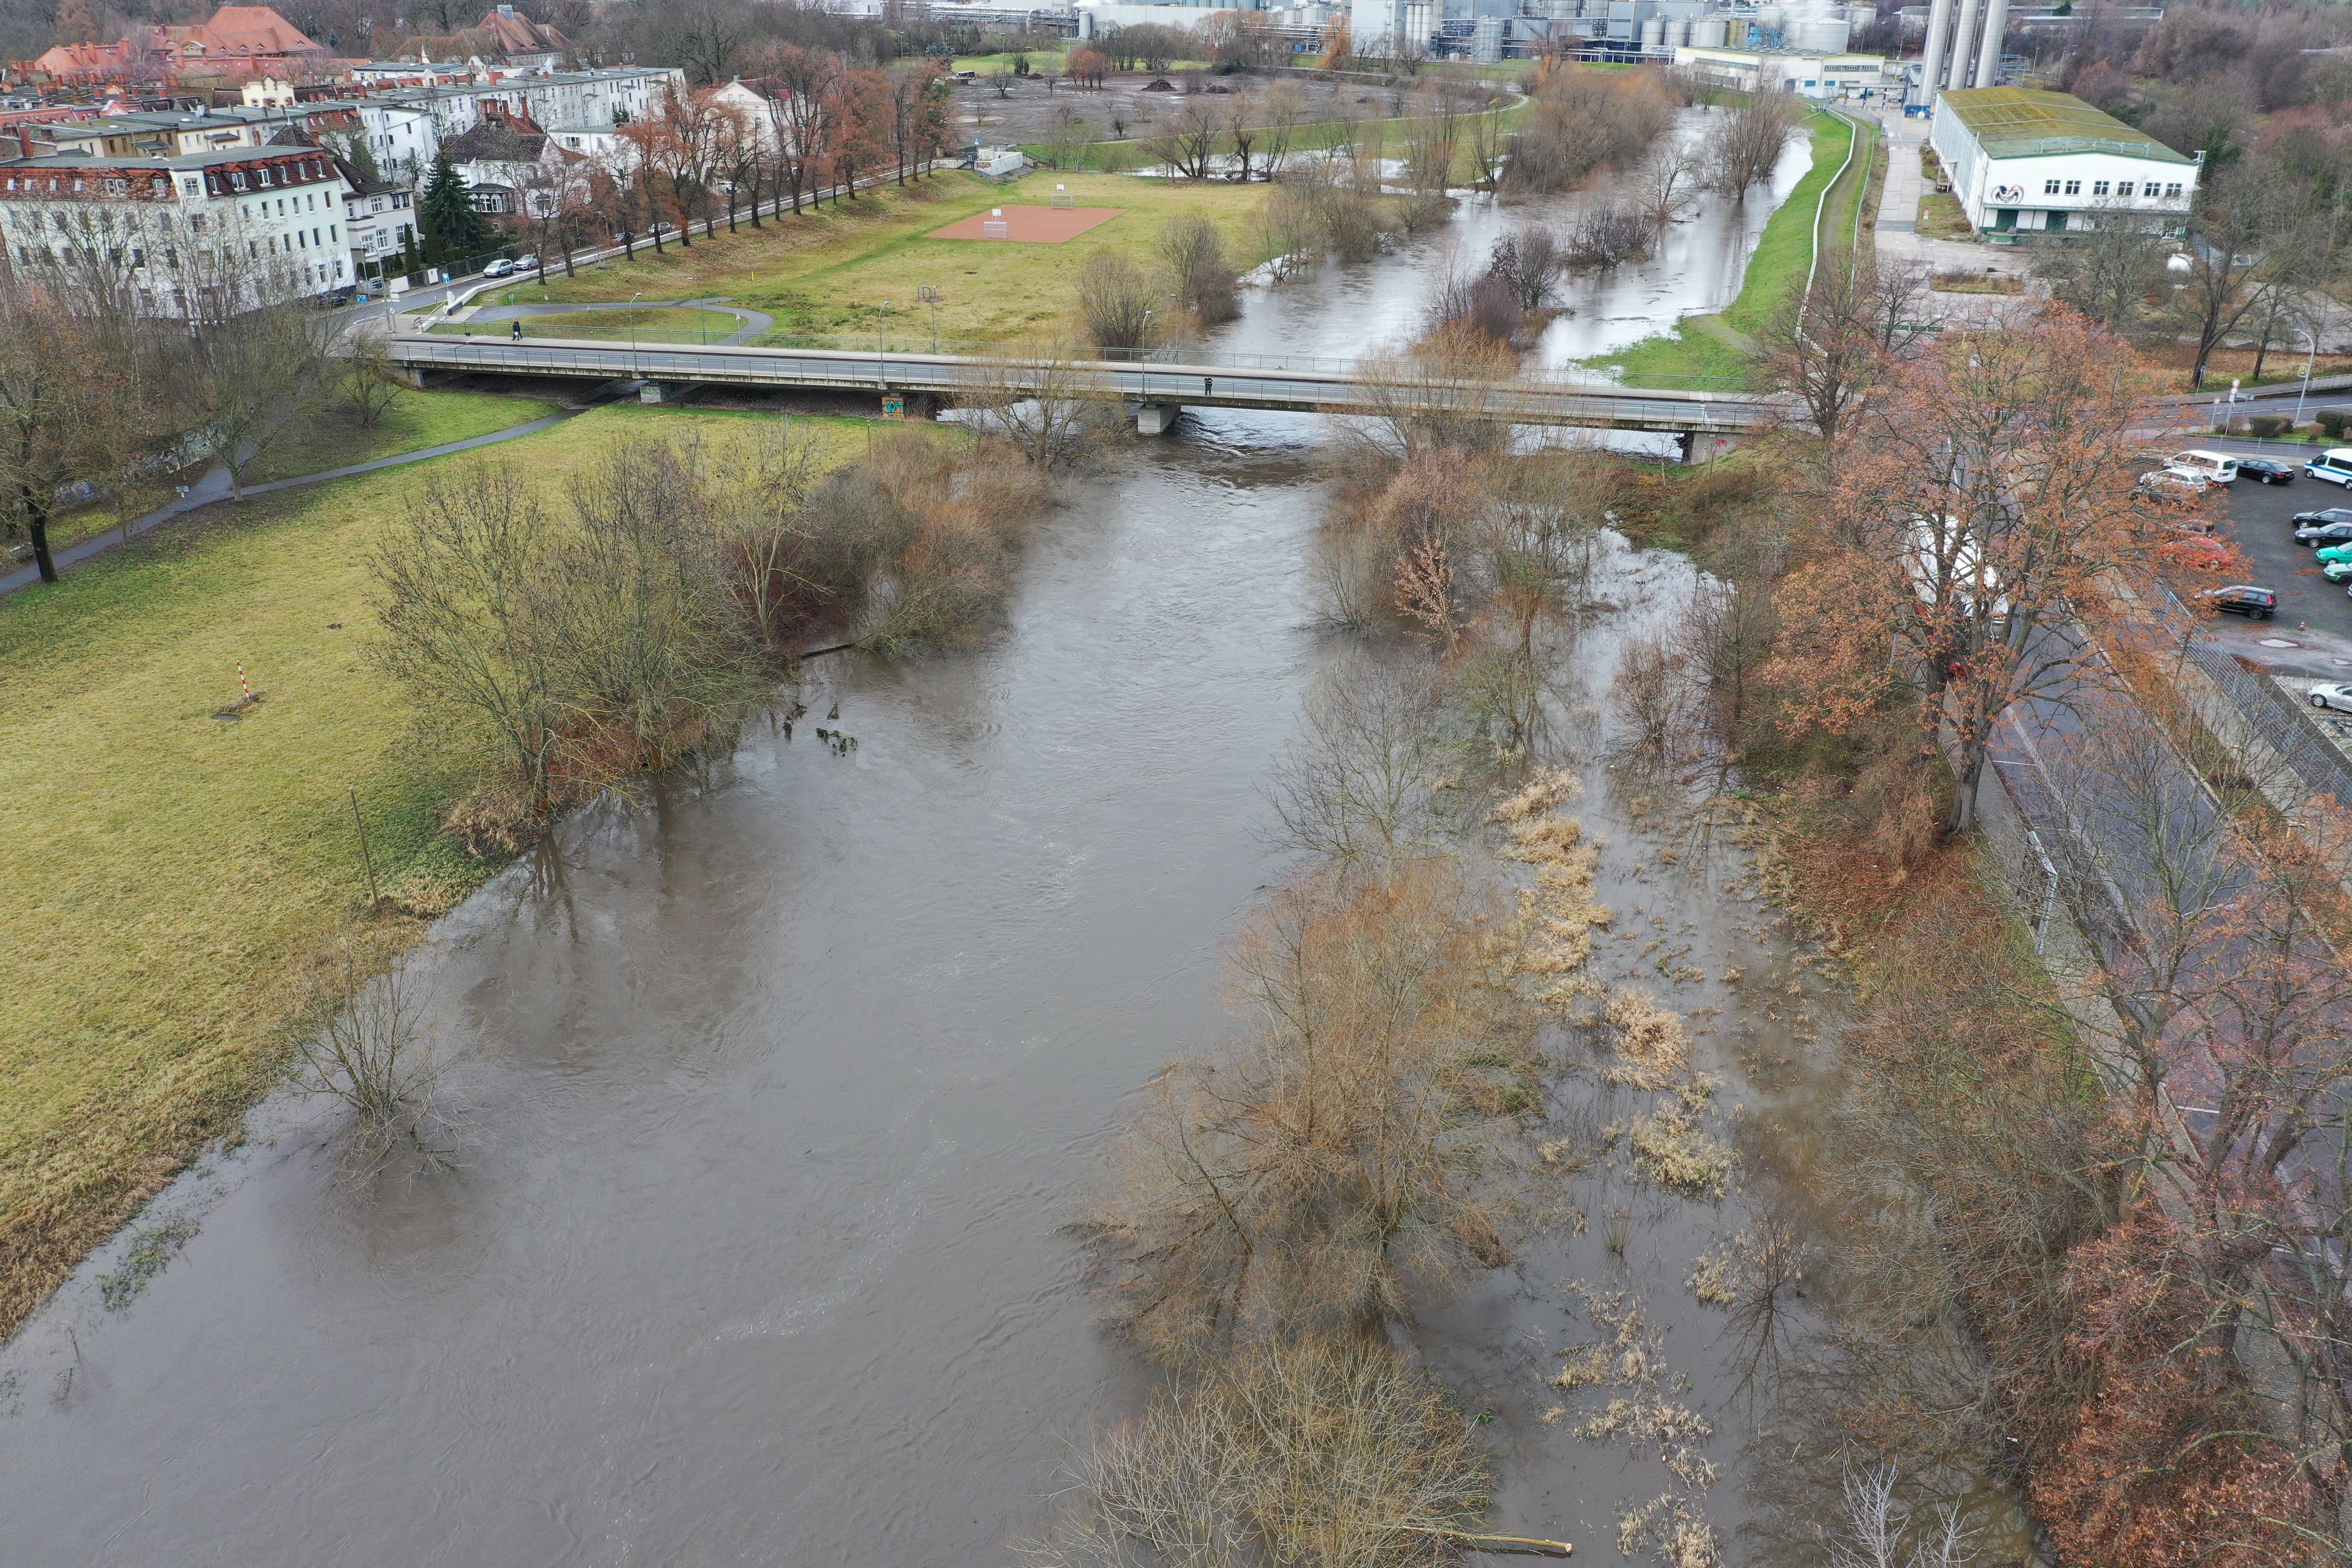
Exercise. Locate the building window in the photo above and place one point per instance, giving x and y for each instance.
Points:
(2074, 187)
(2049, 187)
(2099, 188)
(2123, 187)
(237, 179)
(2172, 191)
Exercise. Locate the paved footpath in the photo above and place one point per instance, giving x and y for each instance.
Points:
(213, 487)
(754, 321)
(1896, 234)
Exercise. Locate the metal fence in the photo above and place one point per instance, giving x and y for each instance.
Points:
(2276, 718)
(2269, 712)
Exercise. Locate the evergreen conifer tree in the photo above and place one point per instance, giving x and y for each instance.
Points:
(454, 231)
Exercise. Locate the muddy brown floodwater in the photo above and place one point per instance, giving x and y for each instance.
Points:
(778, 1088)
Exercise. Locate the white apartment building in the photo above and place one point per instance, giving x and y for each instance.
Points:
(2024, 163)
(378, 218)
(201, 231)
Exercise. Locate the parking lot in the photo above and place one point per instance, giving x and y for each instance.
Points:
(2311, 634)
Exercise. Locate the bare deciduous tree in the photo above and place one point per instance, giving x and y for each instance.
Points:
(1323, 1454)
(364, 380)
(372, 1054)
(1365, 784)
(1743, 143)
(1296, 1179)
(1205, 280)
(1116, 301)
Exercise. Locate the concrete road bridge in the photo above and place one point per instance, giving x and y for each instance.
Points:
(1707, 422)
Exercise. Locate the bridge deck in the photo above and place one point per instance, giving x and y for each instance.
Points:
(1534, 400)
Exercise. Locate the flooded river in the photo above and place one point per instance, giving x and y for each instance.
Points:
(778, 1088)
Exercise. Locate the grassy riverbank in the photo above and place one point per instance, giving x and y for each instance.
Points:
(829, 273)
(1719, 350)
(175, 879)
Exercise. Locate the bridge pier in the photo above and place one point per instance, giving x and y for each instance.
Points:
(409, 375)
(1156, 418)
(1704, 445)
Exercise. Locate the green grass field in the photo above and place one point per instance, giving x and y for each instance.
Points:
(646, 323)
(828, 274)
(1706, 350)
(326, 436)
(174, 879)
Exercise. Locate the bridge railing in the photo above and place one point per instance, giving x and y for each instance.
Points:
(922, 344)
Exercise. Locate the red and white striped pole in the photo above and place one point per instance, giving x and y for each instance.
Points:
(243, 685)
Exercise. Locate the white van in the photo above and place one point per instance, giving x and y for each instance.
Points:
(2334, 464)
(2219, 467)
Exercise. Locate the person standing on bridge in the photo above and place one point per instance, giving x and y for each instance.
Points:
(1207, 386)
(517, 334)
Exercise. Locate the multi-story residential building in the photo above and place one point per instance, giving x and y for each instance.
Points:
(147, 134)
(198, 233)
(405, 126)
(379, 216)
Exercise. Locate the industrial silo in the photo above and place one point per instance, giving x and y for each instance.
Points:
(1821, 35)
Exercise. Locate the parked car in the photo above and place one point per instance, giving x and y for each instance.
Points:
(501, 267)
(2324, 515)
(2334, 466)
(2336, 695)
(2324, 533)
(2268, 470)
(2174, 482)
(2195, 552)
(2242, 598)
(2327, 553)
(2338, 572)
(530, 263)
(2219, 467)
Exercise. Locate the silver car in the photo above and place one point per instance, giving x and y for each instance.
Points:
(2336, 694)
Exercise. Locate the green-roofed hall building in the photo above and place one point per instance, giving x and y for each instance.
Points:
(2032, 165)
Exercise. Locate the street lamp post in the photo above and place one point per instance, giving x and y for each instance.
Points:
(640, 293)
(881, 363)
(2312, 339)
(929, 294)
